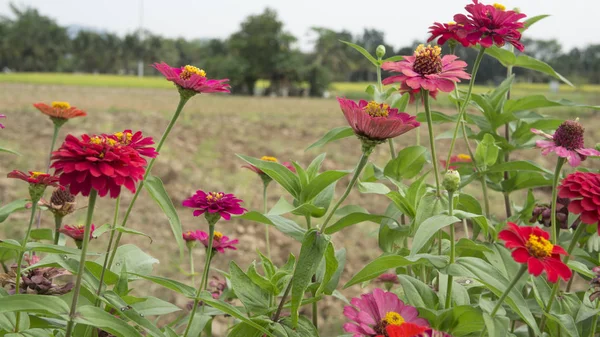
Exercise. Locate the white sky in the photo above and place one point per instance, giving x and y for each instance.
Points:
(573, 22)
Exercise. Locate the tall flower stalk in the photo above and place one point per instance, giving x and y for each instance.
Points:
(20, 260)
(108, 248)
(425, 95)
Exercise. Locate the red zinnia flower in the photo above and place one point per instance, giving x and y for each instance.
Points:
(566, 142)
(214, 203)
(460, 158)
(220, 241)
(413, 330)
(35, 178)
(137, 141)
(76, 232)
(272, 159)
(376, 121)
(532, 247)
(427, 70)
(60, 110)
(583, 188)
(490, 24)
(192, 79)
(445, 32)
(98, 162)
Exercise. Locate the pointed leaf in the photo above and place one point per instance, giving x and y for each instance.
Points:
(332, 135)
(157, 191)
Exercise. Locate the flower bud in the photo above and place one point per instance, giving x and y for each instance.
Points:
(380, 51)
(451, 181)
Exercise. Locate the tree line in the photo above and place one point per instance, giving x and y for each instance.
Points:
(261, 50)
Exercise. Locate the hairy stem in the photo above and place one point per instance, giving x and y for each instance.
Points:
(110, 241)
(267, 239)
(434, 160)
(452, 251)
(554, 226)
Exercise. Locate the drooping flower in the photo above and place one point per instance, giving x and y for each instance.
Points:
(542, 213)
(447, 31)
(375, 122)
(191, 80)
(271, 159)
(372, 313)
(61, 203)
(583, 190)
(98, 162)
(457, 159)
(567, 142)
(76, 232)
(38, 181)
(427, 70)
(489, 25)
(532, 247)
(214, 203)
(220, 241)
(37, 281)
(60, 112)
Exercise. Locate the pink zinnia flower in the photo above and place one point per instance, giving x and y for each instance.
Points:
(372, 313)
(192, 79)
(447, 31)
(190, 236)
(566, 142)
(214, 203)
(76, 232)
(413, 330)
(490, 24)
(271, 159)
(427, 70)
(35, 178)
(2, 125)
(376, 121)
(583, 188)
(220, 241)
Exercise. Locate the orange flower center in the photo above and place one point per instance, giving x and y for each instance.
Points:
(36, 174)
(61, 105)
(499, 6)
(124, 138)
(214, 196)
(538, 246)
(217, 235)
(188, 71)
(267, 158)
(393, 318)
(428, 60)
(377, 110)
(463, 156)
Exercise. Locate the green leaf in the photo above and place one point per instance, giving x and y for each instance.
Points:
(254, 298)
(96, 317)
(340, 257)
(10, 244)
(326, 270)
(176, 286)
(30, 333)
(2, 149)
(51, 305)
(402, 203)
(528, 62)
(517, 165)
(418, 293)
(506, 57)
(132, 231)
(394, 59)
(566, 322)
(540, 101)
(352, 219)
(138, 262)
(281, 174)
(286, 226)
(486, 153)
(400, 102)
(386, 262)
(157, 191)
(319, 183)
(12, 207)
(153, 306)
(429, 205)
(311, 253)
(332, 135)
(364, 52)
(198, 324)
(313, 169)
(126, 310)
(122, 286)
(530, 21)
(42, 234)
(407, 164)
(496, 326)
(524, 180)
(428, 229)
(49, 248)
(305, 328)
(372, 188)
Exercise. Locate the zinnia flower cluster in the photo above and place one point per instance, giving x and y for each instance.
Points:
(191, 80)
(583, 190)
(214, 203)
(567, 142)
(220, 242)
(104, 163)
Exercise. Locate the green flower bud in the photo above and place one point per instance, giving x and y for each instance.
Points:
(380, 51)
(451, 181)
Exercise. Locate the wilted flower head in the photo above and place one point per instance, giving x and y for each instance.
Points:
(38, 181)
(217, 286)
(543, 215)
(447, 31)
(191, 80)
(426, 69)
(76, 232)
(370, 314)
(220, 241)
(583, 190)
(61, 203)
(566, 142)
(37, 280)
(60, 112)
(214, 203)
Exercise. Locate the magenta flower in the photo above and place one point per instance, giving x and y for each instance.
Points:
(372, 313)
(76, 232)
(490, 24)
(427, 70)
(214, 203)
(35, 178)
(566, 142)
(190, 236)
(376, 121)
(447, 31)
(2, 125)
(192, 78)
(220, 241)
(136, 141)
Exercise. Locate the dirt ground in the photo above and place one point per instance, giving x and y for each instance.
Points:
(200, 154)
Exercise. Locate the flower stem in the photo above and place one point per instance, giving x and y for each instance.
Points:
(84, 248)
(202, 286)
(452, 251)
(486, 199)
(465, 228)
(509, 70)
(161, 142)
(54, 136)
(283, 298)
(364, 159)
(554, 226)
(417, 129)
(20, 259)
(380, 86)
(191, 257)
(110, 241)
(57, 223)
(267, 240)
(505, 294)
(463, 107)
(392, 149)
(595, 320)
(425, 95)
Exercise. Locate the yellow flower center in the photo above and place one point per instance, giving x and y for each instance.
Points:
(214, 196)
(499, 6)
(451, 23)
(61, 105)
(36, 174)
(128, 136)
(218, 235)
(393, 318)
(188, 71)
(377, 110)
(463, 156)
(538, 246)
(267, 158)
(428, 60)
(96, 140)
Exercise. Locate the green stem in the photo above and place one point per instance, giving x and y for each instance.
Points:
(505, 294)
(267, 239)
(84, 248)
(392, 149)
(554, 226)
(434, 160)
(463, 107)
(54, 137)
(380, 85)
(486, 200)
(283, 298)
(161, 142)
(509, 70)
(595, 320)
(315, 315)
(308, 222)
(418, 129)
(110, 241)
(20, 259)
(452, 251)
(192, 273)
(57, 223)
(465, 228)
(202, 286)
(364, 159)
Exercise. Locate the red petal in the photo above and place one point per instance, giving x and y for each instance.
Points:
(534, 266)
